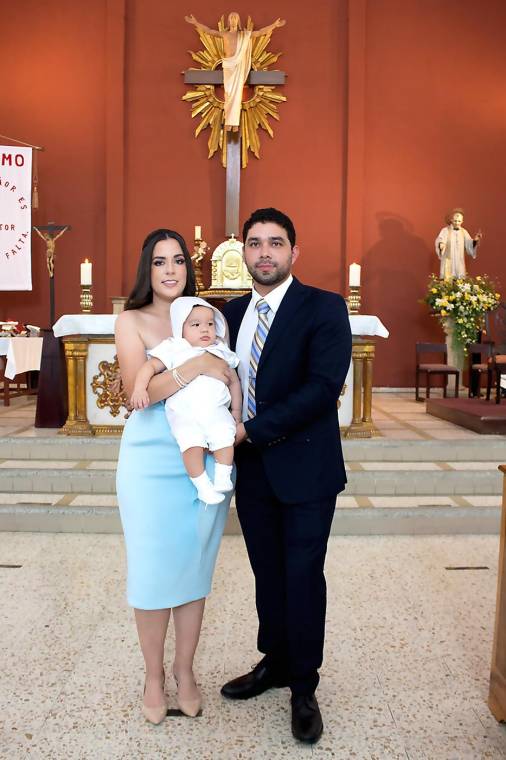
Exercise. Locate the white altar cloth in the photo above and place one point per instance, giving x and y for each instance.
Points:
(367, 324)
(103, 324)
(84, 324)
(23, 355)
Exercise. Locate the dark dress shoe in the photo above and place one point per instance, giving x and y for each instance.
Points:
(307, 724)
(252, 684)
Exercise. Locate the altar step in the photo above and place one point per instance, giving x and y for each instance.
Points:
(365, 479)
(93, 448)
(394, 486)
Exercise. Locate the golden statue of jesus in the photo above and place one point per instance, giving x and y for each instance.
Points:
(236, 63)
(50, 239)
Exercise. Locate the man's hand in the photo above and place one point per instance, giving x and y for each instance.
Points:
(240, 433)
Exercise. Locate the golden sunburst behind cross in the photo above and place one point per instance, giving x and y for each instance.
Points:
(255, 111)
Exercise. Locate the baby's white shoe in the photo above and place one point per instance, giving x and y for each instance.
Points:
(222, 480)
(205, 490)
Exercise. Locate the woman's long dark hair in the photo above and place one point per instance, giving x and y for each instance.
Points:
(142, 292)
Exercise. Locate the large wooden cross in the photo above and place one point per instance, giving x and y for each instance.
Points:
(233, 172)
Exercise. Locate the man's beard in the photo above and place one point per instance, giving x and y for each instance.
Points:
(277, 274)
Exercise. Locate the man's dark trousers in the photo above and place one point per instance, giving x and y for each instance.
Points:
(286, 545)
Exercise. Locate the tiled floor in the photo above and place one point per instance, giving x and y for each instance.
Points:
(405, 674)
(396, 415)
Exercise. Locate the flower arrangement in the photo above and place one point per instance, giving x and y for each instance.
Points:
(464, 300)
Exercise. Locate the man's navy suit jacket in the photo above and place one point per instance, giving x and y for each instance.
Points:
(300, 375)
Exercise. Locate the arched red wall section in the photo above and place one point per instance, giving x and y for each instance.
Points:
(396, 112)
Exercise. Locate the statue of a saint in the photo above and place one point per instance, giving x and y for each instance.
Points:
(452, 243)
(236, 63)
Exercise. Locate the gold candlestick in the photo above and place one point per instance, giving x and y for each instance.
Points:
(199, 250)
(354, 299)
(86, 299)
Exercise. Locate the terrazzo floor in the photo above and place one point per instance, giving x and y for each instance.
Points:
(405, 674)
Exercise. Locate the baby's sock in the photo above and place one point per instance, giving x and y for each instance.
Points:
(222, 479)
(205, 489)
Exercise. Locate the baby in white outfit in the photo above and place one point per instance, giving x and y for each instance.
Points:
(198, 414)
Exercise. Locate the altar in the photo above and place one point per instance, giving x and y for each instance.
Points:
(97, 403)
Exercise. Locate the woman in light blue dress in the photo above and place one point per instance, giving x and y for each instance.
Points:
(171, 538)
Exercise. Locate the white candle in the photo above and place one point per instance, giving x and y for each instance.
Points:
(86, 272)
(198, 232)
(354, 275)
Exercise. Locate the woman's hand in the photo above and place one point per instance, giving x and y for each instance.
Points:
(213, 366)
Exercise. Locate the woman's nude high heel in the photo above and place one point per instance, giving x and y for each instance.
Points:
(189, 707)
(157, 713)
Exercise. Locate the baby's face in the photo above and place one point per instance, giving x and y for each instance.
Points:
(199, 328)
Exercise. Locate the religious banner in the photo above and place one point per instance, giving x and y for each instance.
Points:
(15, 218)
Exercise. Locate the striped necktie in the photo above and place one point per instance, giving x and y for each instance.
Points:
(259, 338)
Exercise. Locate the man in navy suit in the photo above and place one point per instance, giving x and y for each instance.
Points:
(294, 343)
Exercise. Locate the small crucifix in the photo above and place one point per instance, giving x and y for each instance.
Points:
(235, 73)
(50, 234)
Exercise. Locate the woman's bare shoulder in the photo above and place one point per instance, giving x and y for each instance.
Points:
(127, 321)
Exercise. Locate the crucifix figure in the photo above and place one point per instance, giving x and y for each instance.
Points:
(50, 234)
(236, 72)
(236, 63)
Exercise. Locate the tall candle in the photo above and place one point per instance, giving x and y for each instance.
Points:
(354, 275)
(86, 272)
(198, 232)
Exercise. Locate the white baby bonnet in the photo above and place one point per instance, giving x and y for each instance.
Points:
(180, 310)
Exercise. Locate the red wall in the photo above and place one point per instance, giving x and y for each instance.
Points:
(53, 61)
(395, 113)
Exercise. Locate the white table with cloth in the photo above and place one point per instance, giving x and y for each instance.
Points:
(22, 354)
(96, 402)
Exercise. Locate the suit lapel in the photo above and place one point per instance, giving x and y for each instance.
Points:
(287, 309)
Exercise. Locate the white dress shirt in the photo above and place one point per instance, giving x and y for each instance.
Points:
(247, 331)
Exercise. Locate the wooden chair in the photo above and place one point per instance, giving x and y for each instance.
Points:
(443, 368)
(495, 325)
(479, 363)
(497, 368)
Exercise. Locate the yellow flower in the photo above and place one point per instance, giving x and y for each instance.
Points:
(433, 290)
(443, 313)
(497, 295)
(478, 278)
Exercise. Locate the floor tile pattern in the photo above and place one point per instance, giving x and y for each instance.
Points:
(405, 672)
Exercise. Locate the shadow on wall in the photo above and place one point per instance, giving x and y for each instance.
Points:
(395, 272)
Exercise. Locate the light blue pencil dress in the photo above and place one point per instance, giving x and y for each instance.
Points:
(172, 538)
